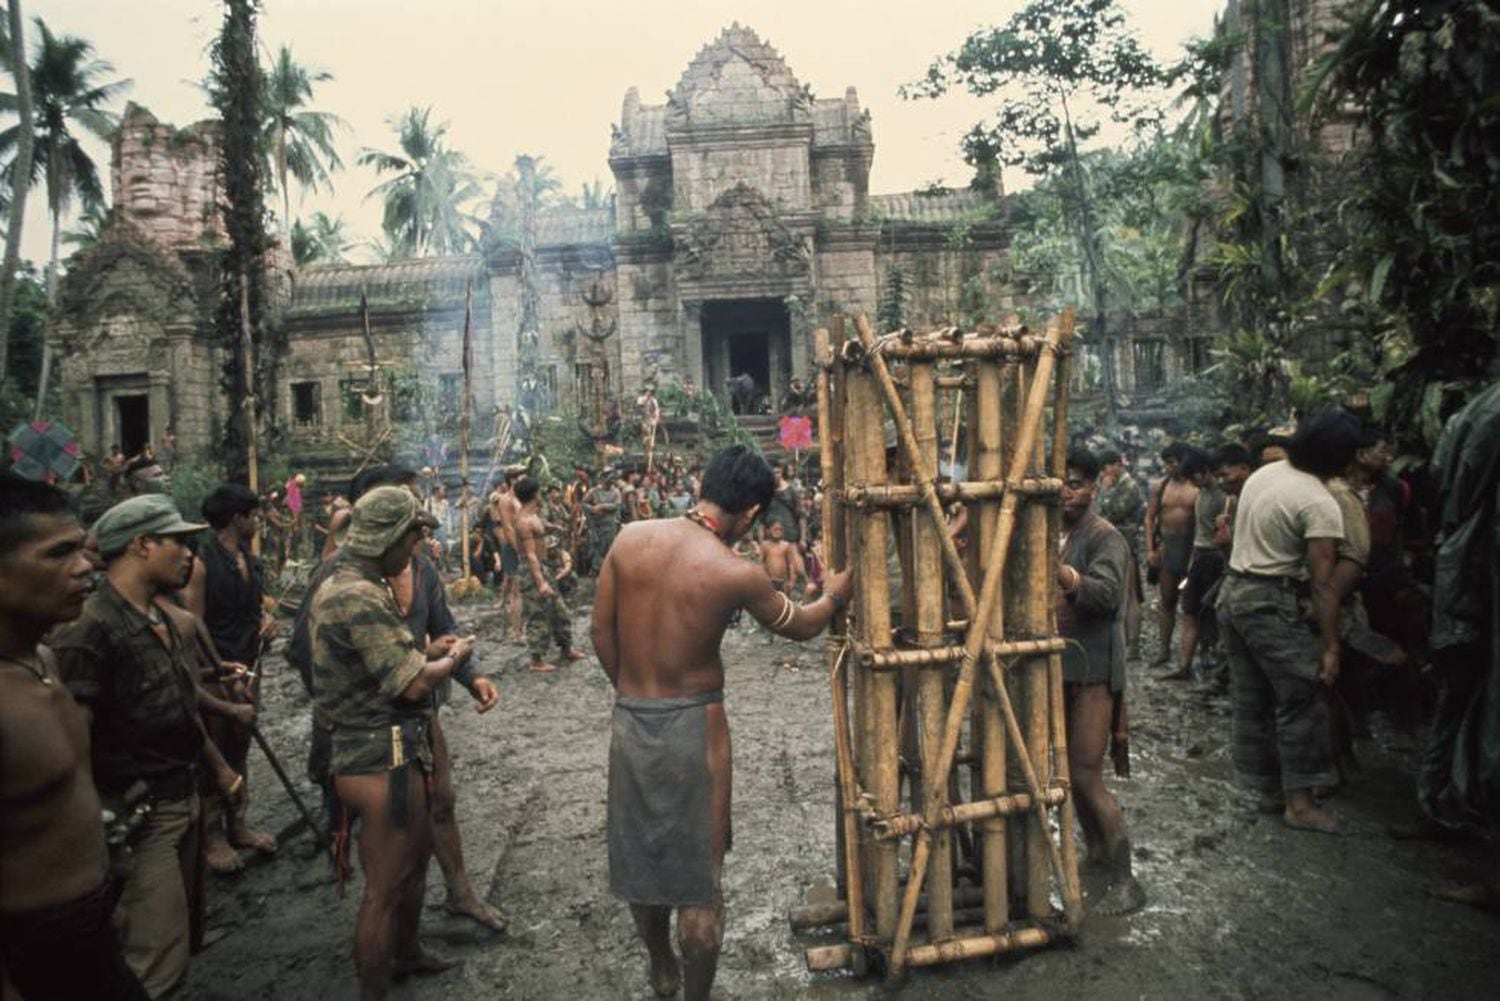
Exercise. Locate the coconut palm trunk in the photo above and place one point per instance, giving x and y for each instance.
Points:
(25, 142)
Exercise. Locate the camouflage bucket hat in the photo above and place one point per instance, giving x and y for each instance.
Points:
(381, 517)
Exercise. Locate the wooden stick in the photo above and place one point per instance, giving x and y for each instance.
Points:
(1006, 805)
(247, 367)
(879, 761)
(1041, 585)
(828, 958)
(463, 426)
(908, 494)
(971, 347)
(830, 443)
(1058, 337)
(928, 564)
(820, 915)
(941, 656)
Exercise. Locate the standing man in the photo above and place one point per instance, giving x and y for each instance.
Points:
(1122, 502)
(225, 592)
(602, 503)
(1092, 578)
(666, 593)
(1169, 541)
(56, 939)
(506, 508)
(548, 619)
(131, 669)
(373, 684)
(1207, 563)
(1286, 529)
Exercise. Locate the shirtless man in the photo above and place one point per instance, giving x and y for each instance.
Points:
(548, 618)
(56, 940)
(666, 593)
(1169, 541)
(781, 559)
(506, 509)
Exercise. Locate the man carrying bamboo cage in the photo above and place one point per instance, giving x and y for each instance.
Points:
(1093, 575)
(666, 593)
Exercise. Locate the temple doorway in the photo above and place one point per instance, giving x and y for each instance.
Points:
(747, 352)
(133, 422)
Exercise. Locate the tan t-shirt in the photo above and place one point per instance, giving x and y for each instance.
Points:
(1356, 545)
(1280, 508)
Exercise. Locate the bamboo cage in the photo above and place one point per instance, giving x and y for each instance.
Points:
(955, 833)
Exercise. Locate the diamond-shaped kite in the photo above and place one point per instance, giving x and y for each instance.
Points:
(45, 451)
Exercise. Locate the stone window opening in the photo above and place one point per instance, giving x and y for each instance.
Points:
(307, 404)
(1197, 354)
(1150, 365)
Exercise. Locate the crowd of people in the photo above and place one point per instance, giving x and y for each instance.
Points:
(132, 643)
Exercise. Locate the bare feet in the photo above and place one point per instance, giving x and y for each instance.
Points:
(221, 857)
(256, 841)
(541, 667)
(666, 977)
(1310, 818)
(573, 653)
(421, 963)
(1124, 896)
(479, 912)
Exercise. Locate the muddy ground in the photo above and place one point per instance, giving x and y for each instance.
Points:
(1239, 905)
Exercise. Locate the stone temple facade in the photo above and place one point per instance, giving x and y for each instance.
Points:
(742, 220)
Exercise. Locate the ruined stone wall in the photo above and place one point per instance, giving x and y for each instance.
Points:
(779, 170)
(165, 179)
(944, 280)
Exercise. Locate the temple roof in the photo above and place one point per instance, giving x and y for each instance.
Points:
(915, 206)
(428, 281)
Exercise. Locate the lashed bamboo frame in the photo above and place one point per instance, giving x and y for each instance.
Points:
(1017, 747)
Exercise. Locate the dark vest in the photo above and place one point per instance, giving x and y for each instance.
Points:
(232, 604)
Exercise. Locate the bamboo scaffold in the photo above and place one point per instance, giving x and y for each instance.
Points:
(956, 813)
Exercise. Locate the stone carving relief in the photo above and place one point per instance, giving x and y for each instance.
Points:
(740, 234)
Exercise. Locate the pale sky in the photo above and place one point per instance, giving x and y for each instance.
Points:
(547, 77)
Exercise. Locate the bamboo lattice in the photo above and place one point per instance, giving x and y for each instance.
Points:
(955, 809)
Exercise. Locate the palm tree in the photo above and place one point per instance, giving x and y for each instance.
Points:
(322, 242)
(66, 90)
(13, 55)
(87, 228)
(425, 202)
(299, 139)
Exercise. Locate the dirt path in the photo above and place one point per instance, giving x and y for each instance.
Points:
(1240, 907)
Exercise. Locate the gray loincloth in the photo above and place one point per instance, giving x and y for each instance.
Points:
(660, 824)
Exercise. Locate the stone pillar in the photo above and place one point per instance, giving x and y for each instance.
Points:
(692, 340)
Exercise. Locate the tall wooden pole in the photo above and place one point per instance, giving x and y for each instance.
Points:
(927, 584)
(247, 371)
(830, 449)
(463, 425)
(989, 432)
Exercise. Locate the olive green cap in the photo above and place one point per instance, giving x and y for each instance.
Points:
(148, 514)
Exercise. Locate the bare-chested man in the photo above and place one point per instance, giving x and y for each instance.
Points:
(1169, 541)
(666, 593)
(56, 940)
(548, 618)
(505, 509)
(781, 559)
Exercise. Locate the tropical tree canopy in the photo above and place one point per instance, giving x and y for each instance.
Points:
(299, 140)
(321, 241)
(68, 89)
(428, 196)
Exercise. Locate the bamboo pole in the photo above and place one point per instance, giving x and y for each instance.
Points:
(1040, 587)
(826, 959)
(941, 656)
(463, 429)
(1059, 336)
(879, 762)
(830, 444)
(928, 588)
(988, 466)
(247, 368)
(908, 494)
(834, 911)
(1072, 892)
(971, 347)
(1006, 805)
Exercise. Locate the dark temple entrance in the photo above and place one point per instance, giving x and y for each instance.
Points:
(133, 420)
(747, 337)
